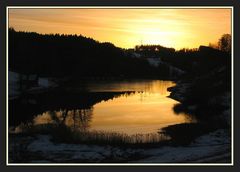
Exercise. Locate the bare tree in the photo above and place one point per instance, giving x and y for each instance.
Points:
(224, 43)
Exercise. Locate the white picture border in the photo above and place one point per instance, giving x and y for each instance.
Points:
(124, 164)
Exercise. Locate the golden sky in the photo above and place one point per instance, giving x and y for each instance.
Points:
(177, 28)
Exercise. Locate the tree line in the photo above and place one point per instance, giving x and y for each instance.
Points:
(69, 55)
(75, 55)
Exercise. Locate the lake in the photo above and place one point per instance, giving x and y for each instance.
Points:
(131, 107)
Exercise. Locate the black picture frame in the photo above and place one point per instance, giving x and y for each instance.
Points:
(236, 54)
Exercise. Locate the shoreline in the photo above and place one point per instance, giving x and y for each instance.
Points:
(211, 142)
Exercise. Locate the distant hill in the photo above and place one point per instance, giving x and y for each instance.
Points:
(78, 56)
(69, 55)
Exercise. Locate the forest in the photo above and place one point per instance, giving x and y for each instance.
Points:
(71, 55)
(55, 55)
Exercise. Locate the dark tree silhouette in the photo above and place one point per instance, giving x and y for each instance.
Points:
(224, 43)
(71, 55)
(55, 55)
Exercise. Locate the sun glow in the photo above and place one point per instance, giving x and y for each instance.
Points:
(126, 28)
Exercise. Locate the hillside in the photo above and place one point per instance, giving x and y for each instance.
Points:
(71, 55)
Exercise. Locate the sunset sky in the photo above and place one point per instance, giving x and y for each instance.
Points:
(177, 28)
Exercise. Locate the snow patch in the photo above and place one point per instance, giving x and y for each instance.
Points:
(215, 145)
(49, 150)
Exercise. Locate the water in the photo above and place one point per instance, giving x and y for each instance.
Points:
(129, 107)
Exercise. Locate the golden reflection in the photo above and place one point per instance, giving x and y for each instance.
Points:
(145, 111)
(142, 112)
(79, 119)
(45, 118)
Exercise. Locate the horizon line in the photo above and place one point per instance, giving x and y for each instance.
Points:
(80, 35)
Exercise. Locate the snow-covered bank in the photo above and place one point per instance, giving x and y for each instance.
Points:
(212, 147)
(13, 84)
(17, 80)
(47, 151)
(180, 92)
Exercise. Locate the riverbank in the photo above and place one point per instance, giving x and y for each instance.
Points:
(207, 100)
(19, 84)
(213, 147)
(203, 104)
(203, 144)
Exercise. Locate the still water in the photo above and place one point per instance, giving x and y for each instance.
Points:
(133, 107)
